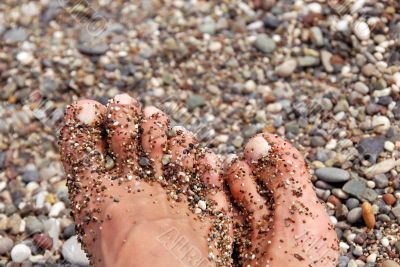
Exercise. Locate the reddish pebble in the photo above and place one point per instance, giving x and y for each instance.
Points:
(334, 200)
(389, 199)
(43, 241)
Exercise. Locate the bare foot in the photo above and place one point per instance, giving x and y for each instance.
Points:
(162, 204)
(285, 223)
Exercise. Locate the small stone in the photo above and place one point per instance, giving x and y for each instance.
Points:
(368, 215)
(396, 212)
(286, 68)
(6, 245)
(354, 215)
(202, 204)
(389, 146)
(352, 263)
(326, 60)
(370, 147)
(208, 26)
(20, 253)
(56, 209)
(30, 176)
(370, 70)
(389, 199)
(389, 263)
(73, 253)
(332, 175)
(372, 257)
(15, 35)
(308, 61)
(381, 181)
(385, 242)
(357, 251)
(195, 101)
(361, 30)
(343, 261)
(352, 203)
(341, 212)
(110, 163)
(25, 58)
(43, 241)
(317, 36)
(93, 49)
(89, 80)
(381, 124)
(265, 44)
(361, 88)
(144, 161)
(69, 231)
(382, 167)
(33, 225)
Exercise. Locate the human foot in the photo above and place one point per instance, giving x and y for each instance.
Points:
(285, 225)
(162, 204)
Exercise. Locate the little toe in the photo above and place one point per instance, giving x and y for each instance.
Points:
(246, 194)
(154, 137)
(81, 142)
(300, 223)
(182, 148)
(124, 115)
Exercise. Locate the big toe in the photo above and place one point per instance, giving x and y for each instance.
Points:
(302, 234)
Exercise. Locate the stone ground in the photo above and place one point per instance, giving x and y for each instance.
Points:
(325, 74)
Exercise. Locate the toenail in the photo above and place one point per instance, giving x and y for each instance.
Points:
(124, 99)
(87, 112)
(150, 111)
(257, 148)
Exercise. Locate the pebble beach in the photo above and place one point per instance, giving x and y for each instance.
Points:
(323, 74)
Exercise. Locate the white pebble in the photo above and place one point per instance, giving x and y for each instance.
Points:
(342, 25)
(215, 46)
(56, 209)
(344, 246)
(25, 58)
(371, 184)
(389, 146)
(361, 30)
(315, 8)
(381, 124)
(385, 242)
(73, 253)
(372, 258)
(202, 204)
(20, 253)
(333, 220)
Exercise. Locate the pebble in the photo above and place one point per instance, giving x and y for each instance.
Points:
(389, 263)
(381, 167)
(202, 204)
(195, 101)
(381, 180)
(33, 225)
(6, 245)
(389, 199)
(56, 209)
(286, 68)
(372, 258)
(326, 57)
(385, 242)
(317, 36)
(368, 215)
(93, 49)
(370, 70)
(43, 241)
(354, 215)
(73, 253)
(381, 124)
(389, 146)
(361, 88)
(20, 253)
(357, 251)
(25, 58)
(361, 30)
(265, 44)
(352, 203)
(308, 61)
(332, 175)
(370, 148)
(15, 35)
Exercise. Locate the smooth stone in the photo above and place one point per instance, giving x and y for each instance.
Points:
(69, 231)
(369, 148)
(93, 50)
(343, 261)
(361, 88)
(370, 70)
(195, 101)
(389, 263)
(332, 175)
(381, 124)
(396, 212)
(265, 44)
(30, 176)
(326, 60)
(56, 209)
(317, 36)
(354, 215)
(381, 181)
(286, 68)
(73, 253)
(308, 61)
(359, 189)
(382, 167)
(6, 245)
(20, 253)
(352, 203)
(357, 251)
(33, 225)
(208, 26)
(361, 30)
(15, 35)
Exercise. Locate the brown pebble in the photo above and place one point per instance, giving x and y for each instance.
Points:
(43, 241)
(334, 200)
(368, 215)
(389, 199)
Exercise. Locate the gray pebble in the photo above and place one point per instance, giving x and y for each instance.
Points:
(93, 49)
(381, 181)
(332, 175)
(308, 61)
(352, 203)
(354, 215)
(33, 225)
(194, 101)
(6, 245)
(370, 147)
(359, 189)
(15, 35)
(357, 251)
(340, 193)
(265, 43)
(343, 261)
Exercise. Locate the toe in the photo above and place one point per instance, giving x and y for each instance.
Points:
(81, 142)
(124, 115)
(182, 148)
(210, 171)
(154, 136)
(300, 223)
(246, 194)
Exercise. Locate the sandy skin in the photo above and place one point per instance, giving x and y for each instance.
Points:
(147, 195)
